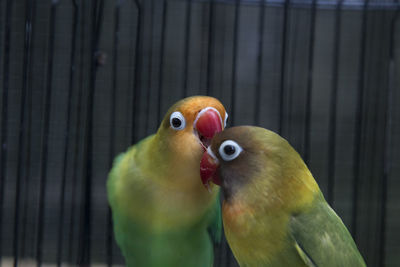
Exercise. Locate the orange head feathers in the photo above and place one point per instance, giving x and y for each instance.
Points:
(192, 122)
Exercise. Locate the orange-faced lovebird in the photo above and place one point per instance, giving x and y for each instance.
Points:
(161, 213)
(273, 212)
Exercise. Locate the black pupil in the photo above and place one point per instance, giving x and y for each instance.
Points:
(229, 150)
(176, 122)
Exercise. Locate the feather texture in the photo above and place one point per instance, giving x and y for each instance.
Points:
(162, 214)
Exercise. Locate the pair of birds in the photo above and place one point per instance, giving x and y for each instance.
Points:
(274, 213)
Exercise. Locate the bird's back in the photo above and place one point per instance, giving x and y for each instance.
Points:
(322, 238)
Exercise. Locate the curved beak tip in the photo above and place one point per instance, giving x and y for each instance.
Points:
(208, 171)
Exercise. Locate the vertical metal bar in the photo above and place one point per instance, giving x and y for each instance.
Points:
(1, 40)
(131, 79)
(162, 48)
(234, 59)
(24, 89)
(285, 19)
(188, 20)
(78, 124)
(4, 113)
(203, 68)
(333, 104)
(210, 49)
(310, 61)
(67, 134)
(358, 120)
(387, 151)
(137, 71)
(148, 105)
(236, 24)
(109, 238)
(25, 189)
(111, 152)
(86, 208)
(45, 136)
(374, 154)
(257, 99)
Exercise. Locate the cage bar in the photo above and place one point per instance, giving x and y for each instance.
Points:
(29, 14)
(137, 71)
(387, 151)
(310, 63)
(359, 117)
(210, 49)
(67, 137)
(86, 209)
(162, 56)
(4, 114)
(109, 233)
(333, 101)
(285, 22)
(150, 67)
(79, 9)
(24, 185)
(45, 136)
(188, 20)
(257, 99)
(236, 24)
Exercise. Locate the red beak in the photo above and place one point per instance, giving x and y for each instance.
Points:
(208, 123)
(208, 170)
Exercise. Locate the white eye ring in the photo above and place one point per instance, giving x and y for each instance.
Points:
(173, 121)
(226, 118)
(231, 155)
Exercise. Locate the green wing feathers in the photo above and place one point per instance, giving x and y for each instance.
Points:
(322, 239)
(112, 176)
(190, 245)
(215, 227)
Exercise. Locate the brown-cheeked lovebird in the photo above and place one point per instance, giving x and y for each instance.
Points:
(161, 213)
(274, 213)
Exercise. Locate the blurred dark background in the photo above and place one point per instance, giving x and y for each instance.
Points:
(83, 80)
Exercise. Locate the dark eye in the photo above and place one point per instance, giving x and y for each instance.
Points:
(177, 121)
(229, 150)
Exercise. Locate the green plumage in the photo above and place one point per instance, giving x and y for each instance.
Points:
(274, 213)
(145, 242)
(162, 214)
(322, 239)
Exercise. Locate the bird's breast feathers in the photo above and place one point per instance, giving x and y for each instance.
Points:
(158, 203)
